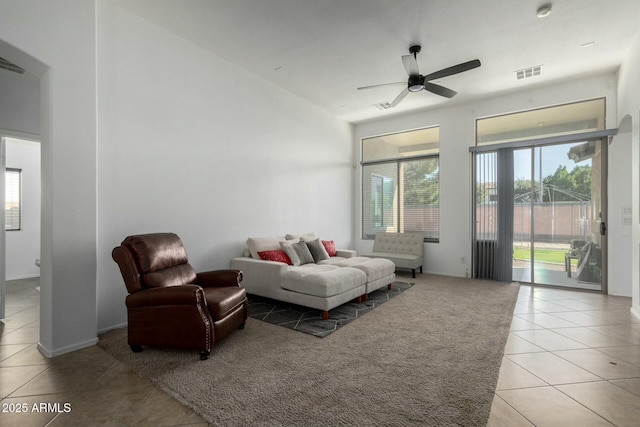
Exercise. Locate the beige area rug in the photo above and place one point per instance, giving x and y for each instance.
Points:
(430, 356)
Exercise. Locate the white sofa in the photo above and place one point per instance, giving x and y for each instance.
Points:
(322, 284)
(404, 249)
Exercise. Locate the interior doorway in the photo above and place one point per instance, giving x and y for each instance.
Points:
(20, 217)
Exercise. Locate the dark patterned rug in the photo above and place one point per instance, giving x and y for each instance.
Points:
(309, 320)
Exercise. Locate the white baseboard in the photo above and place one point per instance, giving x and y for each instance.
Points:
(635, 312)
(30, 276)
(49, 353)
(111, 328)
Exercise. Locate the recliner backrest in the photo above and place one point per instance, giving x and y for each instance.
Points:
(160, 260)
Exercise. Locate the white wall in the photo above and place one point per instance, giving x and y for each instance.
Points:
(457, 134)
(620, 201)
(629, 140)
(253, 160)
(23, 246)
(191, 144)
(19, 103)
(55, 40)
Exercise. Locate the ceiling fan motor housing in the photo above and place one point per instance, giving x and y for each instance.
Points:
(416, 83)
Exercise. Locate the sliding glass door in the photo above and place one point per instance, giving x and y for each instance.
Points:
(540, 199)
(524, 189)
(558, 220)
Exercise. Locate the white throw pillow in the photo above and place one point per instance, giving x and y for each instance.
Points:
(298, 253)
(306, 237)
(259, 244)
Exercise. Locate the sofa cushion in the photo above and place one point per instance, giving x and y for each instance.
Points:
(374, 268)
(330, 247)
(303, 236)
(298, 252)
(344, 262)
(291, 253)
(277, 255)
(322, 280)
(318, 252)
(400, 260)
(395, 255)
(259, 244)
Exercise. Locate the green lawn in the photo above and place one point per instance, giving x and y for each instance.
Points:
(542, 255)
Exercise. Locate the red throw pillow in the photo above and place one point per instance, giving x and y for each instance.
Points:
(275, 255)
(330, 246)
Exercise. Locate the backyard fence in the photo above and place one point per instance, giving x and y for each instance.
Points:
(557, 222)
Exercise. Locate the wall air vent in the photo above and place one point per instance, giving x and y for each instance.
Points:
(383, 106)
(527, 73)
(6, 65)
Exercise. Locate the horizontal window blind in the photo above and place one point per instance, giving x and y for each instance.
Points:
(401, 195)
(420, 196)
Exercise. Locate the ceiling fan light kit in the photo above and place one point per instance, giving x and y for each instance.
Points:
(417, 82)
(544, 10)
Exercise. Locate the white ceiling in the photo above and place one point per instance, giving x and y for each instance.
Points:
(322, 50)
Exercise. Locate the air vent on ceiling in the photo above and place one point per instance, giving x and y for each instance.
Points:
(4, 64)
(383, 106)
(529, 72)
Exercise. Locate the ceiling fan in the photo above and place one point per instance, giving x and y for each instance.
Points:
(418, 82)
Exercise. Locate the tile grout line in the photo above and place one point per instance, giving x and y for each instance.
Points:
(587, 347)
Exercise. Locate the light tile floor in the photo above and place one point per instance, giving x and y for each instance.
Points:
(98, 388)
(572, 359)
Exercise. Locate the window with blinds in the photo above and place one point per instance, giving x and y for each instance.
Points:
(13, 203)
(401, 184)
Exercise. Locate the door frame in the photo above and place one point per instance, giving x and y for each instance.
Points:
(3, 232)
(5, 133)
(603, 135)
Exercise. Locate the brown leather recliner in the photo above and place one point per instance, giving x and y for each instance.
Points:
(169, 304)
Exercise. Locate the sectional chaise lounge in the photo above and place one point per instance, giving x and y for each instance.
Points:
(304, 270)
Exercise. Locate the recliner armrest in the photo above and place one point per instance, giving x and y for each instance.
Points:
(172, 295)
(219, 278)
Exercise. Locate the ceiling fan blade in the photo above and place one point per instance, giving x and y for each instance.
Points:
(399, 98)
(383, 84)
(410, 65)
(460, 68)
(440, 90)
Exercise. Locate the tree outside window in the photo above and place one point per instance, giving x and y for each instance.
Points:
(401, 184)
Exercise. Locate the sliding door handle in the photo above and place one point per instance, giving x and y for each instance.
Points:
(603, 228)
